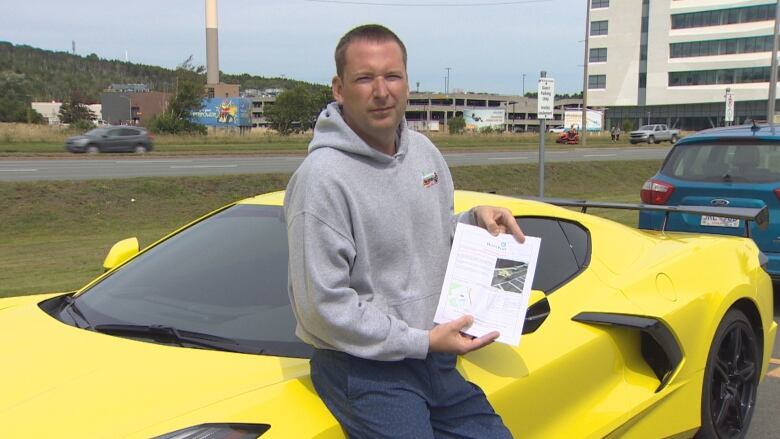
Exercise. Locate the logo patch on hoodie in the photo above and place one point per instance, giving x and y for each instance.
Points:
(430, 179)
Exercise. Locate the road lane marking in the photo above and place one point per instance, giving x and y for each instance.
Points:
(18, 170)
(599, 155)
(203, 166)
(136, 162)
(507, 158)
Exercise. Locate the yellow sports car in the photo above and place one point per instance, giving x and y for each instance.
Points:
(630, 334)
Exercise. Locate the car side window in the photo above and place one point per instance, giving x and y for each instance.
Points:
(564, 253)
(115, 133)
(128, 132)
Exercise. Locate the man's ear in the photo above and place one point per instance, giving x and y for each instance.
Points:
(337, 86)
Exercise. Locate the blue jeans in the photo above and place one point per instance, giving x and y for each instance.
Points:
(419, 399)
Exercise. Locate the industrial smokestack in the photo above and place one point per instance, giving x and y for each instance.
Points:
(212, 46)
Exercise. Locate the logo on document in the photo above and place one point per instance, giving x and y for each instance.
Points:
(430, 179)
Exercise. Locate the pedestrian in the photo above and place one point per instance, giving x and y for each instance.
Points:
(370, 223)
(617, 133)
(613, 133)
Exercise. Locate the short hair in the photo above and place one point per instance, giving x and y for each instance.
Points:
(367, 32)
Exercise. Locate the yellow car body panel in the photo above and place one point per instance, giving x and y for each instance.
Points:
(566, 380)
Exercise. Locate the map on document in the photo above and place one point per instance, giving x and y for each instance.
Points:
(490, 278)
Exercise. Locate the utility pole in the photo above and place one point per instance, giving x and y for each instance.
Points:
(523, 84)
(770, 113)
(447, 82)
(584, 126)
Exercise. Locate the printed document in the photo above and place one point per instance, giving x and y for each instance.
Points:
(490, 278)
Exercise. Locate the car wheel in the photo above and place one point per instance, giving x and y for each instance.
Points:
(674, 139)
(93, 149)
(730, 379)
(140, 149)
(651, 140)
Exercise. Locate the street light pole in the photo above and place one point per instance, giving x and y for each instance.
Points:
(447, 83)
(584, 126)
(524, 80)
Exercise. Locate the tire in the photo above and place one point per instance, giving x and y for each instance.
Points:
(92, 149)
(651, 140)
(730, 379)
(140, 149)
(673, 139)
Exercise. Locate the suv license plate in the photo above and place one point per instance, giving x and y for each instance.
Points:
(719, 221)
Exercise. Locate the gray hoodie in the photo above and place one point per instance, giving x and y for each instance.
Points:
(369, 237)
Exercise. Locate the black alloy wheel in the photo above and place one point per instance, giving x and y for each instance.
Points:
(651, 140)
(730, 379)
(674, 139)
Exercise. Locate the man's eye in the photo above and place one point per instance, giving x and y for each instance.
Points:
(395, 77)
(363, 79)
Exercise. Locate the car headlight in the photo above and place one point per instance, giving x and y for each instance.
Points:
(218, 431)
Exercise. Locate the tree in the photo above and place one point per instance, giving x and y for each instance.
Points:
(15, 99)
(187, 98)
(457, 125)
(296, 110)
(76, 111)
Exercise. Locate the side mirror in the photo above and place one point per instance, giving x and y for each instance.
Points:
(538, 310)
(120, 252)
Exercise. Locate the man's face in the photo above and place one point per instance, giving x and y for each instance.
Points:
(373, 89)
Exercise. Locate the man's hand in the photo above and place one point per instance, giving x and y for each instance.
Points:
(498, 220)
(447, 337)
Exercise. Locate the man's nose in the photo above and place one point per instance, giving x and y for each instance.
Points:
(380, 87)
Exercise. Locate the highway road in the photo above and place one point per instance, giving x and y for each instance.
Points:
(150, 165)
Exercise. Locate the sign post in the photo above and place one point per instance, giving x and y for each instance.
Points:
(544, 109)
(729, 119)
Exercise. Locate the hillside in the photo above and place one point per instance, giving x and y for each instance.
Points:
(44, 75)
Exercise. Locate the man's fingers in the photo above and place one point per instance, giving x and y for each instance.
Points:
(462, 322)
(483, 341)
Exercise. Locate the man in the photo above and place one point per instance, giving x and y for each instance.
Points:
(370, 224)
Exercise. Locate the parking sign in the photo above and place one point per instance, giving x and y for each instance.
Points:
(545, 99)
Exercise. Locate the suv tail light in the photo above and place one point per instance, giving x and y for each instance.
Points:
(777, 193)
(656, 192)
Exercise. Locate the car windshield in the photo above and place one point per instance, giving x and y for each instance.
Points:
(96, 132)
(225, 276)
(725, 161)
(646, 128)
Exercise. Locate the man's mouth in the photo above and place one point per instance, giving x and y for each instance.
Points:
(381, 110)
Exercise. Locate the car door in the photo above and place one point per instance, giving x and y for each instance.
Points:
(565, 372)
(128, 139)
(112, 140)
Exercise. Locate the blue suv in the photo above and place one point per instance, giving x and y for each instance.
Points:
(730, 167)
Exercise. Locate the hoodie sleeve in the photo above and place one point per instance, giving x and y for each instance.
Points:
(466, 217)
(329, 309)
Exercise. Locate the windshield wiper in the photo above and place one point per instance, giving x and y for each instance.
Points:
(72, 307)
(178, 336)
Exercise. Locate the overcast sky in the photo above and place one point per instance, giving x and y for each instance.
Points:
(487, 45)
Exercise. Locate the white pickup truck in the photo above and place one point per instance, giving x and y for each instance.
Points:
(654, 134)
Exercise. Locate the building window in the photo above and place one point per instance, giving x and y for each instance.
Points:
(721, 76)
(597, 81)
(598, 55)
(721, 17)
(721, 47)
(598, 4)
(599, 27)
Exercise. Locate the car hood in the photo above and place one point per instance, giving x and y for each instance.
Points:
(59, 379)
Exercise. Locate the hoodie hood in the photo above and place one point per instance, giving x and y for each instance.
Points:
(331, 131)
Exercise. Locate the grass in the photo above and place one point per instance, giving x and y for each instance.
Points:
(23, 140)
(56, 234)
